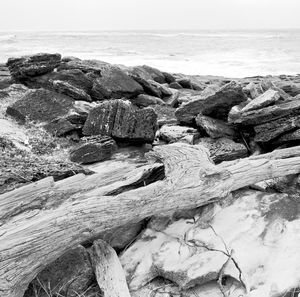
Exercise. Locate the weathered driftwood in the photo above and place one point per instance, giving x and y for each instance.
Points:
(108, 270)
(39, 227)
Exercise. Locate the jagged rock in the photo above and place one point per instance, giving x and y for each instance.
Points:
(173, 99)
(215, 128)
(288, 137)
(267, 98)
(289, 87)
(115, 83)
(267, 84)
(30, 66)
(267, 114)
(175, 85)
(236, 111)
(41, 106)
(12, 93)
(165, 91)
(122, 120)
(168, 77)
(165, 115)
(259, 230)
(184, 82)
(60, 127)
(223, 149)
(172, 134)
(144, 100)
(93, 149)
(149, 88)
(86, 66)
(154, 73)
(253, 90)
(268, 131)
(70, 274)
(5, 77)
(216, 105)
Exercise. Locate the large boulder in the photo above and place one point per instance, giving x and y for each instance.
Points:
(122, 120)
(93, 149)
(216, 104)
(171, 134)
(5, 77)
(144, 100)
(30, 66)
(114, 83)
(147, 73)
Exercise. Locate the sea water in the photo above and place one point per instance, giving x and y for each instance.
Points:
(226, 53)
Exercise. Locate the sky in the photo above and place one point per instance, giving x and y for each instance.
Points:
(83, 15)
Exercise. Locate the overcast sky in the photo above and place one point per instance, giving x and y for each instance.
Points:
(148, 14)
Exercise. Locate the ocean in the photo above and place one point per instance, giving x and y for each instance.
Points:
(225, 53)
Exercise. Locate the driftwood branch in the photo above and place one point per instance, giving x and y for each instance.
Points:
(108, 270)
(41, 222)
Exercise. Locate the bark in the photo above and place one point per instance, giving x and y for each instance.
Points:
(108, 270)
(38, 224)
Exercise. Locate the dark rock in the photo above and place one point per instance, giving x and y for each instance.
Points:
(70, 274)
(289, 87)
(253, 90)
(288, 137)
(60, 127)
(147, 86)
(169, 78)
(94, 149)
(69, 59)
(268, 131)
(267, 98)
(216, 105)
(41, 106)
(267, 114)
(223, 149)
(165, 115)
(267, 84)
(171, 134)
(86, 66)
(165, 91)
(71, 91)
(215, 128)
(173, 99)
(155, 74)
(5, 77)
(144, 100)
(184, 82)
(122, 120)
(30, 66)
(175, 85)
(114, 83)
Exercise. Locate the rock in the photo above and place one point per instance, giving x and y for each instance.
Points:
(223, 149)
(71, 91)
(70, 274)
(122, 120)
(93, 149)
(149, 88)
(289, 87)
(253, 90)
(154, 73)
(5, 77)
(236, 111)
(175, 85)
(11, 94)
(86, 66)
(60, 127)
(165, 115)
(267, 84)
(259, 230)
(114, 83)
(169, 78)
(267, 98)
(144, 100)
(165, 91)
(30, 66)
(184, 82)
(41, 106)
(267, 114)
(268, 131)
(289, 137)
(172, 134)
(173, 99)
(215, 128)
(216, 105)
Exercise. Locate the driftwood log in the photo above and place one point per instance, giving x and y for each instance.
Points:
(108, 270)
(39, 222)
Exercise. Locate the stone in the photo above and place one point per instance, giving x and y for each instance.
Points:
(148, 88)
(288, 137)
(215, 128)
(93, 149)
(122, 120)
(184, 82)
(60, 127)
(236, 111)
(253, 90)
(175, 85)
(289, 87)
(71, 91)
(169, 78)
(267, 84)
(173, 99)
(171, 134)
(216, 105)
(35, 65)
(40, 105)
(165, 91)
(223, 149)
(94, 67)
(5, 77)
(144, 100)
(267, 98)
(165, 115)
(154, 73)
(114, 83)
(70, 274)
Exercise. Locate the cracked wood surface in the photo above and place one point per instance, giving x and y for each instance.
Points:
(36, 229)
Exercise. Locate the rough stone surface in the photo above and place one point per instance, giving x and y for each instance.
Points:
(216, 105)
(289, 87)
(253, 90)
(223, 149)
(93, 149)
(72, 273)
(122, 120)
(115, 83)
(267, 98)
(175, 85)
(5, 77)
(154, 74)
(215, 128)
(144, 100)
(41, 106)
(60, 127)
(165, 115)
(149, 88)
(30, 66)
(172, 134)
(86, 66)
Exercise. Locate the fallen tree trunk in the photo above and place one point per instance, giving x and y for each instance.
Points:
(33, 234)
(108, 270)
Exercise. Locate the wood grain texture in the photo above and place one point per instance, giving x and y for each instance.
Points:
(32, 237)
